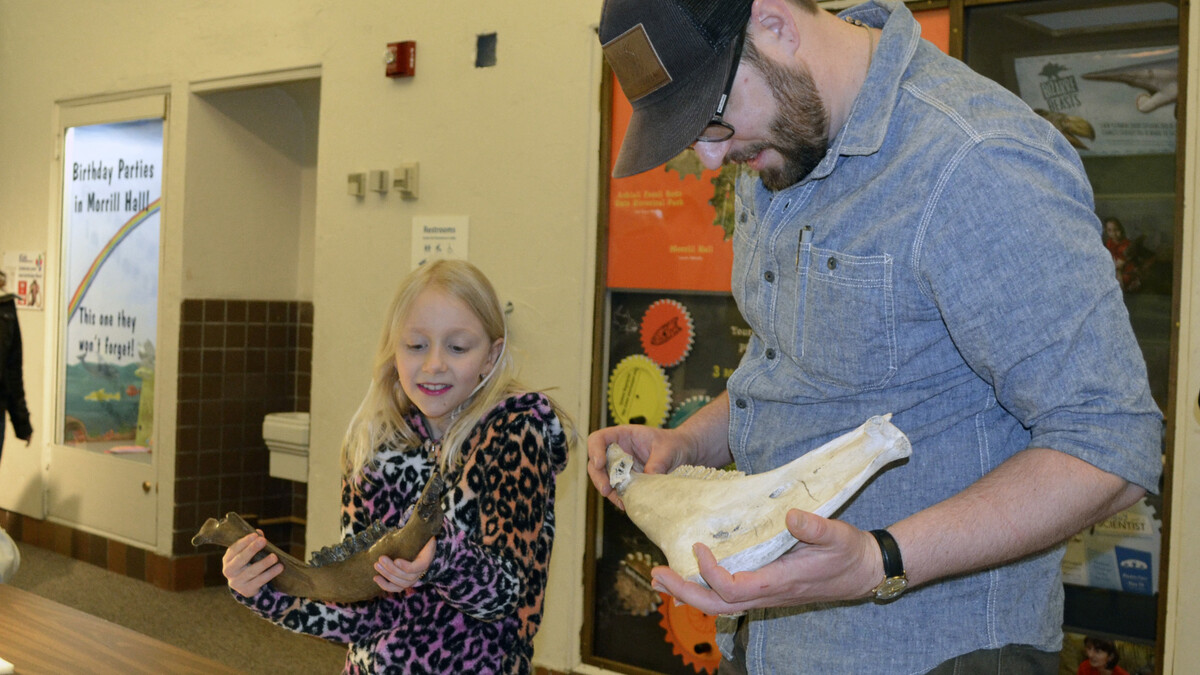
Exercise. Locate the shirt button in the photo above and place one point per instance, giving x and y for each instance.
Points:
(831, 263)
(770, 353)
(740, 403)
(742, 217)
(769, 276)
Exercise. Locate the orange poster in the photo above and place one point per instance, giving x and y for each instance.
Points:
(669, 227)
(935, 27)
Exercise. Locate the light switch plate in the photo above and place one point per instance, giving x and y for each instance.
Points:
(405, 180)
(378, 180)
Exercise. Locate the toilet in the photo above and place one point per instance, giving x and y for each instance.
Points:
(286, 436)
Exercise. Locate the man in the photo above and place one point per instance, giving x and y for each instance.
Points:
(919, 243)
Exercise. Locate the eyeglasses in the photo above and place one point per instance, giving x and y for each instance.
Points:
(718, 129)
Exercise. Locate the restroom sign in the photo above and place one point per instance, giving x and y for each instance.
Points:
(437, 237)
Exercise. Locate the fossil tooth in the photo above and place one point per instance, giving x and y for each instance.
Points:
(343, 573)
(739, 517)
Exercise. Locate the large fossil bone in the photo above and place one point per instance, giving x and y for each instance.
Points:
(343, 573)
(739, 517)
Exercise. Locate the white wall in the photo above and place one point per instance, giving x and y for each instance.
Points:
(512, 147)
(250, 183)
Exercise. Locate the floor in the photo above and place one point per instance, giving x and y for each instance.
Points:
(205, 621)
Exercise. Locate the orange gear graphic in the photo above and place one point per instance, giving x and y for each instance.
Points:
(691, 633)
(667, 332)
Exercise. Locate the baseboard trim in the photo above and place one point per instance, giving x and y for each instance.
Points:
(181, 573)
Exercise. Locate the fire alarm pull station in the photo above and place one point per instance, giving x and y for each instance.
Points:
(401, 59)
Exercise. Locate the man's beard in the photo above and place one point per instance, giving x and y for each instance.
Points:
(800, 130)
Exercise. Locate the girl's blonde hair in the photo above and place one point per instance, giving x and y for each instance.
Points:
(380, 418)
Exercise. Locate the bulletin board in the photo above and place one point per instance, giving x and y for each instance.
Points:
(670, 335)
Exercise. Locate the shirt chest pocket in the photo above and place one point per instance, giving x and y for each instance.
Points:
(846, 333)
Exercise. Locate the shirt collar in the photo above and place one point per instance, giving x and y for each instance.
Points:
(866, 126)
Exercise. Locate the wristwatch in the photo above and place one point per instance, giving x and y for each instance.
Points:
(894, 578)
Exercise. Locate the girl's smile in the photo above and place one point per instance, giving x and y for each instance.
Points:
(443, 354)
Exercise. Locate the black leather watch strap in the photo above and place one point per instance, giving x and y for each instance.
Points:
(893, 565)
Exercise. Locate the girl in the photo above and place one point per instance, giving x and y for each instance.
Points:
(1100, 658)
(442, 396)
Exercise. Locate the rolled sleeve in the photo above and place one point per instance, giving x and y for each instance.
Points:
(1038, 311)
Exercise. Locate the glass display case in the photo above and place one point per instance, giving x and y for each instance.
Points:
(1106, 74)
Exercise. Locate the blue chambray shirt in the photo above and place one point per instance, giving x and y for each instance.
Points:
(942, 263)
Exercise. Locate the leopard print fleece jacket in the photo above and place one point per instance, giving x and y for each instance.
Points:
(480, 602)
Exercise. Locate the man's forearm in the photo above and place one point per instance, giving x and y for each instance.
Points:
(708, 432)
(1031, 502)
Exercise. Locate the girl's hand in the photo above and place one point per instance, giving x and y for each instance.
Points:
(397, 575)
(244, 576)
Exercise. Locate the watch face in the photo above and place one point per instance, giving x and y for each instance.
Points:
(890, 588)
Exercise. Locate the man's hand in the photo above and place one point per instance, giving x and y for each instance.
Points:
(703, 440)
(657, 450)
(833, 561)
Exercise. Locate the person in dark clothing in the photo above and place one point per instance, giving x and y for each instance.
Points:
(12, 394)
(12, 380)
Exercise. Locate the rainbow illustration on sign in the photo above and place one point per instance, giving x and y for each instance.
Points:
(129, 226)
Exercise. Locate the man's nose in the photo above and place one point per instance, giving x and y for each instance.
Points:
(712, 155)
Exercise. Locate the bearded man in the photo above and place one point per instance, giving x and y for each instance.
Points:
(917, 242)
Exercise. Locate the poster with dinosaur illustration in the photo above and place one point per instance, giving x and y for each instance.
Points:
(1119, 102)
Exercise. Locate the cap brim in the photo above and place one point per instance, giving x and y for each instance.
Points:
(661, 128)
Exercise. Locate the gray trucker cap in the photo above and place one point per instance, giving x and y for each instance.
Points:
(672, 59)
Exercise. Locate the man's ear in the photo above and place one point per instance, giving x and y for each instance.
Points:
(774, 29)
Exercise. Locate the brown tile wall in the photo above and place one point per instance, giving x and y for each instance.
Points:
(238, 361)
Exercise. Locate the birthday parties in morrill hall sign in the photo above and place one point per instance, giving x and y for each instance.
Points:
(112, 187)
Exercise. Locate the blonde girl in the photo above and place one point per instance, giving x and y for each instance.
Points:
(442, 397)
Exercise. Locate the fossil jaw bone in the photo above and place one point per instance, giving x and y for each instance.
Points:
(739, 517)
(343, 573)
